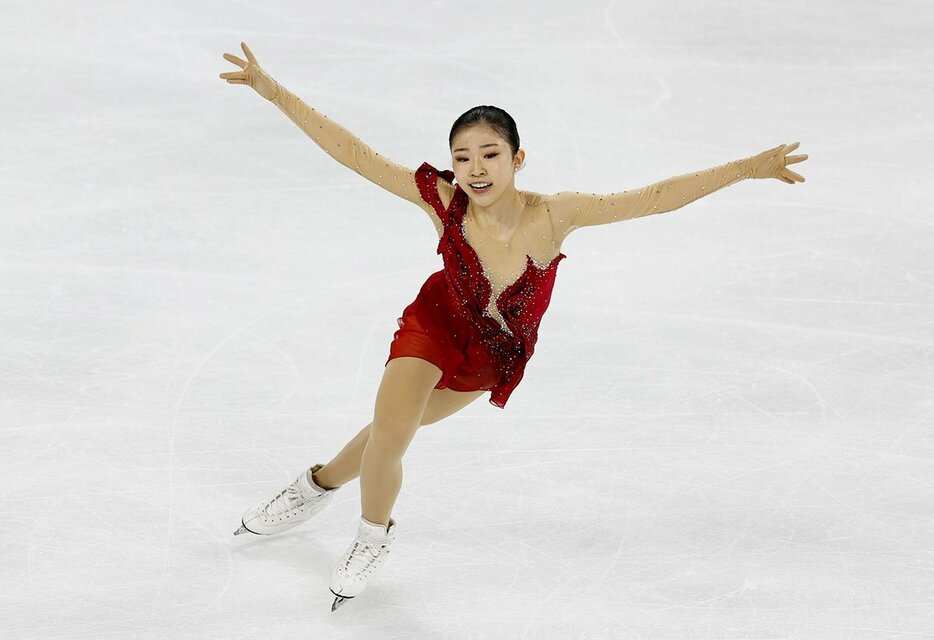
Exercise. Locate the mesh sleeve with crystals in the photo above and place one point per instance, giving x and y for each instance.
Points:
(345, 147)
(588, 209)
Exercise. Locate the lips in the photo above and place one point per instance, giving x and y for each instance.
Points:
(481, 190)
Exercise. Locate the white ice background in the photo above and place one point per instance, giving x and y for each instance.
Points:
(726, 428)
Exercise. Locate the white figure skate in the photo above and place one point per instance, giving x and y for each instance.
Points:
(287, 509)
(362, 560)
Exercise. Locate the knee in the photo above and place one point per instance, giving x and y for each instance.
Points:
(391, 437)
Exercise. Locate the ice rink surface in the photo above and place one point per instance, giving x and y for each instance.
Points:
(726, 430)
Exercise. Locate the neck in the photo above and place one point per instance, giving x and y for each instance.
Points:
(504, 212)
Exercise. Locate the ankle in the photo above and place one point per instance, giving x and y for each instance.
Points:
(316, 479)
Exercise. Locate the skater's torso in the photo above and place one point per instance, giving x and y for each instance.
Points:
(534, 244)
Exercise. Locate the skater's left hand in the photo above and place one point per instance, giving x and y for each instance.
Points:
(773, 163)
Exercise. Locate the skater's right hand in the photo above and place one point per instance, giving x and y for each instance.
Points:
(252, 74)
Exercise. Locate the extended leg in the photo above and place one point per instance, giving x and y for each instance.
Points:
(345, 466)
(302, 499)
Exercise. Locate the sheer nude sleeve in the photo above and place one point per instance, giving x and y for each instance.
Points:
(576, 209)
(342, 145)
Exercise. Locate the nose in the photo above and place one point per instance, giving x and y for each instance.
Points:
(475, 168)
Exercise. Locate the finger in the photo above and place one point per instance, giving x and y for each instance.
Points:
(784, 179)
(794, 175)
(232, 74)
(792, 147)
(794, 159)
(237, 61)
(249, 54)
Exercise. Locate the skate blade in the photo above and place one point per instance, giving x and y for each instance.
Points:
(338, 601)
(242, 529)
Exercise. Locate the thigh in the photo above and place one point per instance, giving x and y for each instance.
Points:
(445, 402)
(401, 399)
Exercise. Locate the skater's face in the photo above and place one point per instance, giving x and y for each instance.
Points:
(478, 154)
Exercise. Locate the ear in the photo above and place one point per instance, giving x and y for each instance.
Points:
(519, 160)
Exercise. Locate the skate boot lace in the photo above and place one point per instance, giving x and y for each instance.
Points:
(288, 499)
(362, 561)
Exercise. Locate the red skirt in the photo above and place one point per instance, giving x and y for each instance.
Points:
(435, 327)
(458, 373)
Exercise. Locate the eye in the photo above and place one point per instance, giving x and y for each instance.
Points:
(489, 155)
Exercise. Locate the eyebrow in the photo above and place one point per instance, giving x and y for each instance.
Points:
(495, 144)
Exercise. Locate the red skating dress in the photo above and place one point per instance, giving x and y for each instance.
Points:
(447, 325)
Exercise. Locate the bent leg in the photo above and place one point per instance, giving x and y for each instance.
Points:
(400, 402)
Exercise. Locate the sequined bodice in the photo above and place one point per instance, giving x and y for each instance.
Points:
(510, 306)
(496, 287)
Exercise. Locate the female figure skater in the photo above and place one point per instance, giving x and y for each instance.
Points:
(473, 325)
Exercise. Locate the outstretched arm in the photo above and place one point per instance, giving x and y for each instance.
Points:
(578, 209)
(342, 145)
(336, 140)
